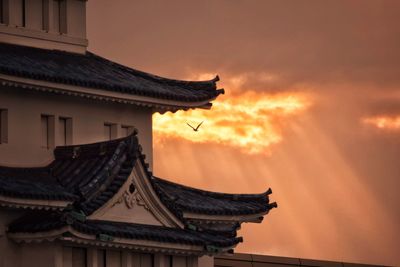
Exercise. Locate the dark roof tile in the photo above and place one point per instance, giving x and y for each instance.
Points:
(90, 70)
(44, 221)
(89, 174)
(187, 199)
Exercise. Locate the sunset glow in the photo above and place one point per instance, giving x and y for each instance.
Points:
(384, 122)
(251, 122)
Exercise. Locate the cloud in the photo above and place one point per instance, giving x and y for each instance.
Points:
(390, 123)
(250, 121)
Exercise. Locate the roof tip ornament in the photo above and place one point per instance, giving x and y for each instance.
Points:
(273, 205)
(216, 79)
(268, 192)
(221, 91)
(135, 131)
(133, 144)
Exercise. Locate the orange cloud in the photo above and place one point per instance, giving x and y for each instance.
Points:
(384, 122)
(250, 121)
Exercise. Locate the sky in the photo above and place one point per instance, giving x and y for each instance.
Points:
(311, 109)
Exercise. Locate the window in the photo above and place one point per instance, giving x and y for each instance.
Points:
(2, 11)
(64, 131)
(45, 10)
(3, 126)
(110, 131)
(23, 13)
(127, 130)
(47, 128)
(60, 16)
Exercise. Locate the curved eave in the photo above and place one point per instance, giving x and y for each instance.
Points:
(159, 105)
(117, 242)
(224, 207)
(204, 218)
(33, 204)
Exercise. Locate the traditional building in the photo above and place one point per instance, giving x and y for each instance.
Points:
(76, 187)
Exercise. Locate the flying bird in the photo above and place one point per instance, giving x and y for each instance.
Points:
(197, 128)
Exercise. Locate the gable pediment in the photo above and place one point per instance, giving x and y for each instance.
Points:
(136, 202)
(130, 207)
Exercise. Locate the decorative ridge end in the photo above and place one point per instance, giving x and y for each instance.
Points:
(273, 205)
(221, 91)
(268, 192)
(216, 79)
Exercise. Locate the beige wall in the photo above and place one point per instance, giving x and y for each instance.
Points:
(24, 146)
(41, 28)
(206, 261)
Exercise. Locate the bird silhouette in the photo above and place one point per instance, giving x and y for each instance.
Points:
(197, 128)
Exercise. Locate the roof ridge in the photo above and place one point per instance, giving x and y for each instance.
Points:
(102, 147)
(153, 77)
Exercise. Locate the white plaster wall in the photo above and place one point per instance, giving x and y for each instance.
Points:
(206, 261)
(88, 117)
(34, 14)
(39, 30)
(76, 18)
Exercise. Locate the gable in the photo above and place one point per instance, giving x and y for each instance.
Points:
(137, 202)
(129, 207)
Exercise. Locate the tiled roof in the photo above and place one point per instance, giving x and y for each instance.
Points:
(95, 172)
(31, 184)
(92, 71)
(182, 198)
(89, 174)
(43, 222)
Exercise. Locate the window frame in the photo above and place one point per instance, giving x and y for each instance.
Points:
(49, 131)
(65, 124)
(112, 132)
